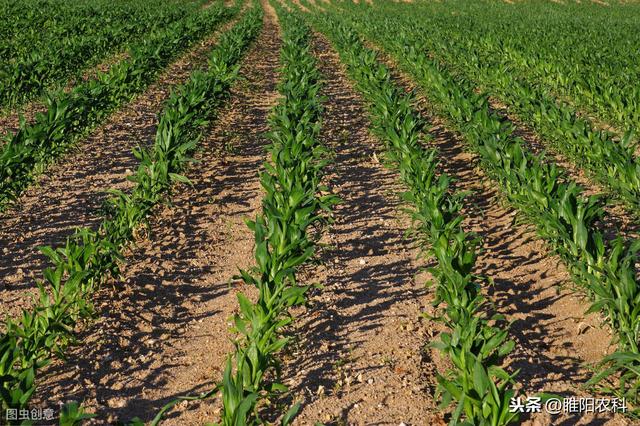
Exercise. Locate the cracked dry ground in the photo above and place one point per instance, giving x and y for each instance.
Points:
(164, 331)
(70, 193)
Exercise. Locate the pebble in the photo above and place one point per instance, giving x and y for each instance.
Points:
(116, 403)
(582, 327)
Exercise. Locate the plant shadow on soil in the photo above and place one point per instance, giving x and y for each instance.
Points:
(198, 246)
(161, 303)
(358, 296)
(507, 246)
(77, 202)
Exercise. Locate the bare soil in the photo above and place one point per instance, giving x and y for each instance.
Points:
(555, 340)
(300, 6)
(360, 358)
(163, 330)
(360, 354)
(10, 120)
(71, 193)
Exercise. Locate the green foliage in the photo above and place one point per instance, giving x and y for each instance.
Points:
(72, 115)
(89, 257)
(72, 414)
(45, 42)
(489, 63)
(291, 207)
(564, 217)
(476, 344)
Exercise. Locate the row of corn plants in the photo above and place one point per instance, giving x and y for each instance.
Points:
(563, 215)
(70, 116)
(89, 257)
(34, 57)
(569, 50)
(475, 343)
(607, 160)
(292, 208)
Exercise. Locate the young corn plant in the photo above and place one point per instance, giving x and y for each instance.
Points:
(476, 344)
(70, 116)
(90, 257)
(291, 209)
(564, 217)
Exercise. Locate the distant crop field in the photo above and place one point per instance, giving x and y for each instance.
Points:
(319, 212)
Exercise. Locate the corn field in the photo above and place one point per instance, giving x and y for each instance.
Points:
(319, 212)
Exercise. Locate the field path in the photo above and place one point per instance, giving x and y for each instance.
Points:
(164, 332)
(358, 360)
(70, 193)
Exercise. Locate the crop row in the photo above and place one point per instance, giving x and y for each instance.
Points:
(89, 257)
(70, 116)
(33, 23)
(568, 50)
(292, 208)
(564, 217)
(475, 343)
(611, 162)
(36, 57)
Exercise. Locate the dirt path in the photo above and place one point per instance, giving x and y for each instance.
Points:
(70, 194)
(358, 360)
(554, 338)
(167, 334)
